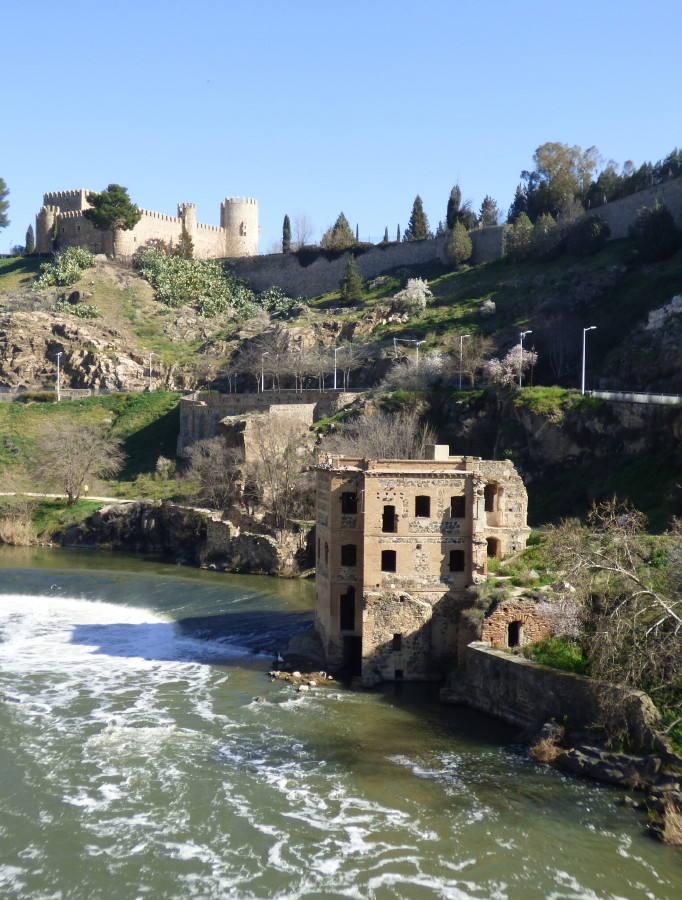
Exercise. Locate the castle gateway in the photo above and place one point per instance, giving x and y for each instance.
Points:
(61, 223)
(398, 544)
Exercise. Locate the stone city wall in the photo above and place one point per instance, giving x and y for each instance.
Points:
(528, 694)
(324, 274)
(621, 214)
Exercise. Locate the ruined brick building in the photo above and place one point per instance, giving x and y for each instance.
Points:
(61, 223)
(398, 544)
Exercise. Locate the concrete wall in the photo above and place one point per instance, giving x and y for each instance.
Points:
(525, 693)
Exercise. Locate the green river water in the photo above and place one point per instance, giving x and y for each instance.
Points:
(135, 763)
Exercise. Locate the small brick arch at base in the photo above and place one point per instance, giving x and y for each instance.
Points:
(533, 626)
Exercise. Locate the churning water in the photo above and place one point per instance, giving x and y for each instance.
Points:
(135, 762)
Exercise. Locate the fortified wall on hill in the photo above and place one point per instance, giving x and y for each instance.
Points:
(61, 223)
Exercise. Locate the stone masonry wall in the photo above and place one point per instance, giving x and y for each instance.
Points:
(620, 214)
(533, 626)
(528, 694)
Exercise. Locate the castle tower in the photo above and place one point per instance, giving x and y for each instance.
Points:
(239, 218)
(188, 213)
(45, 228)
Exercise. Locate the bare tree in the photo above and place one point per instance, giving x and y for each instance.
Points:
(476, 351)
(632, 603)
(69, 452)
(382, 435)
(303, 230)
(279, 455)
(217, 470)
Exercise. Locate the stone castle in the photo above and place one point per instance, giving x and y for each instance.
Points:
(61, 223)
(398, 544)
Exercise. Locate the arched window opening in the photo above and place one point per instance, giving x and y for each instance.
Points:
(514, 631)
(493, 547)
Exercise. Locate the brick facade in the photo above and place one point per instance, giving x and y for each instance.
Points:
(398, 543)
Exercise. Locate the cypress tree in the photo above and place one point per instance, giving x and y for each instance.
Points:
(286, 235)
(357, 233)
(30, 241)
(454, 204)
(397, 234)
(185, 246)
(418, 226)
(386, 235)
(4, 203)
(351, 283)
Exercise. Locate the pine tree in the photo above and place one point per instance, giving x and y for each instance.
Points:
(112, 210)
(185, 246)
(397, 234)
(519, 204)
(351, 283)
(357, 233)
(519, 238)
(4, 203)
(458, 246)
(286, 235)
(454, 204)
(339, 236)
(30, 241)
(418, 226)
(489, 212)
(385, 241)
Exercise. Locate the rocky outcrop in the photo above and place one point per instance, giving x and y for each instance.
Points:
(191, 536)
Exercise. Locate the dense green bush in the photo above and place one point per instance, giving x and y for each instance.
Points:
(274, 300)
(587, 236)
(558, 653)
(80, 310)
(201, 283)
(458, 246)
(655, 233)
(547, 238)
(65, 268)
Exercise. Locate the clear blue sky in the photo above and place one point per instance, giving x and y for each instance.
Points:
(320, 106)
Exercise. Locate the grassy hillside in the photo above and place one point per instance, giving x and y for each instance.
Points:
(147, 424)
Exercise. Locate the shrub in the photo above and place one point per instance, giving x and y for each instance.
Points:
(274, 300)
(351, 283)
(655, 233)
(545, 751)
(202, 283)
(518, 238)
(587, 236)
(458, 246)
(65, 268)
(80, 310)
(414, 296)
(558, 653)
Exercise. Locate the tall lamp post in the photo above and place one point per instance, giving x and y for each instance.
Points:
(59, 386)
(461, 356)
(262, 369)
(336, 350)
(585, 330)
(521, 337)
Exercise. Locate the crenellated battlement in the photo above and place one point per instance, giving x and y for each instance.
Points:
(235, 236)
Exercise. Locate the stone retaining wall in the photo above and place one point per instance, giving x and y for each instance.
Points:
(528, 694)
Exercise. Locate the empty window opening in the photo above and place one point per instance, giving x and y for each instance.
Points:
(389, 520)
(493, 547)
(514, 631)
(388, 560)
(349, 503)
(319, 548)
(347, 610)
(457, 560)
(398, 675)
(326, 552)
(490, 494)
(458, 507)
(397, 642)
(422, 507)
(349, 554)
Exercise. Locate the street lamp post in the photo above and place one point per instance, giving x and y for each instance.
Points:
(336, 350)
(461, 356)
(418, 344)
(59, 386)
(521, 337)
(262, 369)
(585, 330)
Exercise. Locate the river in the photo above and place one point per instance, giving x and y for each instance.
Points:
(136, 763)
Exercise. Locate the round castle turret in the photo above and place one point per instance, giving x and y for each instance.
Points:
(45, 228)
(239, 218)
